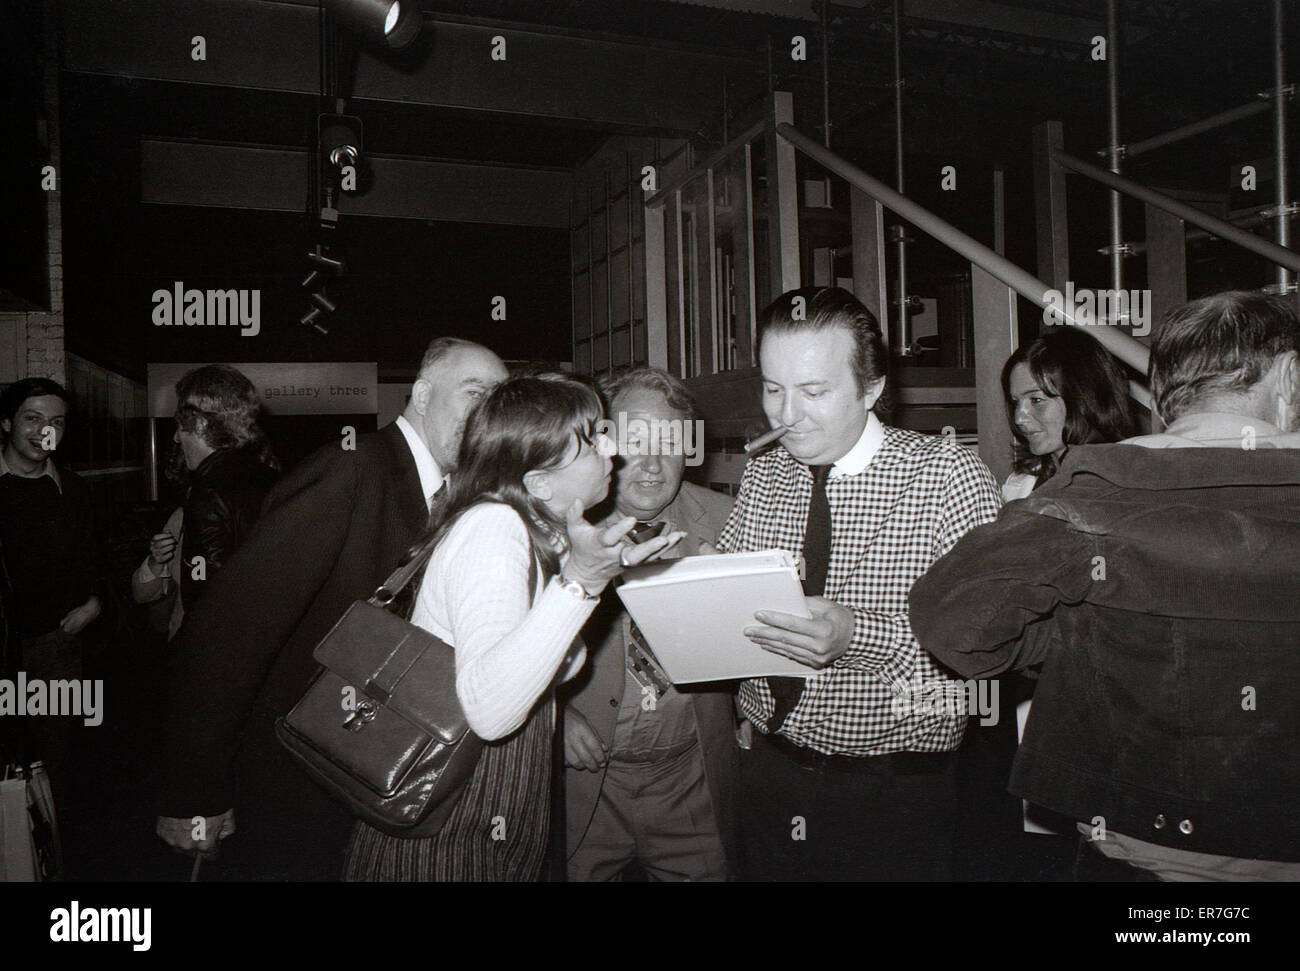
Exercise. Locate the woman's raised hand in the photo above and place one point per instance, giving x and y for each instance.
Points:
(597, 555)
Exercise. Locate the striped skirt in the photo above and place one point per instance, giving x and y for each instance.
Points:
(498, 830)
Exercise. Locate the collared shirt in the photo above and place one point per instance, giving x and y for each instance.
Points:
(1218, 429)
(431, 477)
(913, 497)
(645, 733)
(51, 470)
(856, 459)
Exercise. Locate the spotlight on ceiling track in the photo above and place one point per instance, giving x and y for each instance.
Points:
(312, 319)
(323, 302)
(397, 22)
(322, 262)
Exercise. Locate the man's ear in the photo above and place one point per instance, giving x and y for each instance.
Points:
(420, 392)
(874, 390)
(538, 484)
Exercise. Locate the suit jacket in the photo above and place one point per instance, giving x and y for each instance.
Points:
(701, 512)
(331, 531)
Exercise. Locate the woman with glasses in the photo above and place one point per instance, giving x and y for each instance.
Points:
(515, 573)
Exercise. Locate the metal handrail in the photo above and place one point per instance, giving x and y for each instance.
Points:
(1176, 135)
(1124, 347)
(1280, 255)
(660, 196)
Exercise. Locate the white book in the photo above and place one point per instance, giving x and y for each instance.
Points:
(693, 612)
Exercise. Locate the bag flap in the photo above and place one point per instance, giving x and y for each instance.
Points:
(402, 667)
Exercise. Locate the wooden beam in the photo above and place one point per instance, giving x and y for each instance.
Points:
(628, 84)
(254, 177)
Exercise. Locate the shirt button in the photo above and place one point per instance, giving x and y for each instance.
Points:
(1160, 821)
(1185, 826)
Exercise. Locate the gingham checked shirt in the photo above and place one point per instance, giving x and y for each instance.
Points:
(889, 522)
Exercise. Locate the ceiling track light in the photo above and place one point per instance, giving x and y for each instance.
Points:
(325, 263)
(394, 22)
(340, 138)
(312, 319)
(323, 302)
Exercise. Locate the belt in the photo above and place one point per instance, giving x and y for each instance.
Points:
(893, 763)
(655, 755)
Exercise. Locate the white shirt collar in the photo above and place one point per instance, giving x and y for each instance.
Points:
(431, 477)
(856, 459)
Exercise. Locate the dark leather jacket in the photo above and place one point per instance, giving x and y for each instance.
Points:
(222, 502)
(1159, 587)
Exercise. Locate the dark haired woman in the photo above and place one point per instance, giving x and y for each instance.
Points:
(1061, 389)
(226, 466)
(530, 463)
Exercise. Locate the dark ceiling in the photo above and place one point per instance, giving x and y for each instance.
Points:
(979, 75)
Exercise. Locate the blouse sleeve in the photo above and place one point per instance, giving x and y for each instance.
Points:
(507, 654)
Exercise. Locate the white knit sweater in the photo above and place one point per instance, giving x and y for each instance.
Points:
(475, 597)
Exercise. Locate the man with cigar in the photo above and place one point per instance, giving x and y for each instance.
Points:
(650, 769)
(837, 786)
(331, 531)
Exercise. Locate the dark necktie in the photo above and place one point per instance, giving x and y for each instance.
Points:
(641, 662)
(404, 603)
(816, 558)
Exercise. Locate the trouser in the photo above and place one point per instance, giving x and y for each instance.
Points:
(806, 817)
(658, 814)
(287, 827)
(55, 656)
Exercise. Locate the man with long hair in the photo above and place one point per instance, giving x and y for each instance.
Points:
(225, 467)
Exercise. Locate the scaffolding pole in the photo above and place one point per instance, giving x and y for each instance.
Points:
(1115, 151)
(904, 325)
(1285, 278)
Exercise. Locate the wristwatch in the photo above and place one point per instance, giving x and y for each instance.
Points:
(575, 588)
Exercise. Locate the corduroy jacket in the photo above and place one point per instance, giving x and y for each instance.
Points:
(1161, 590)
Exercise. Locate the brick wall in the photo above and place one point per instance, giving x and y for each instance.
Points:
(31, 341)
(45, 354)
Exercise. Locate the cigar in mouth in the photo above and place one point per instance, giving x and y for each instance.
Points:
(767, 438)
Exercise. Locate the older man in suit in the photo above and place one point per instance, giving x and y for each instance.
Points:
(650, 769)
(330, 532)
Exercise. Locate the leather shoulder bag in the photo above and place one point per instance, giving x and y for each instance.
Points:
(380, 728)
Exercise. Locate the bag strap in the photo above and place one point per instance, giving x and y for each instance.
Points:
(387, 591)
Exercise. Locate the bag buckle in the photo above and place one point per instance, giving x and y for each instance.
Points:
(360, 717)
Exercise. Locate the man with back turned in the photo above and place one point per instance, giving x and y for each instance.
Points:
(331, 531)
(1155, 583)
